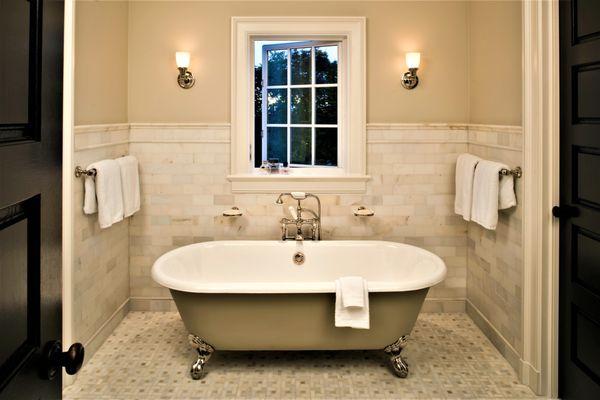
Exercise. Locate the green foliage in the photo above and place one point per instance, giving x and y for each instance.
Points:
(326, 69)
(277, 67)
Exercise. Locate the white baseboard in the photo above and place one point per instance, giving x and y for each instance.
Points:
(95, 341)
(152, 304)
(525, 371)
(435, 305)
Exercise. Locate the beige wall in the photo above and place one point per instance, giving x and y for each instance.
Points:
(158, 29)
(100, 62)
(495, 62)
(101, 256)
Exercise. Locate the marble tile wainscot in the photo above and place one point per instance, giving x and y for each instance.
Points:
(101, 256)
(184, 190)
(495, 258)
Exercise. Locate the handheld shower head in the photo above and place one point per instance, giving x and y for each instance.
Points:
(280, 198)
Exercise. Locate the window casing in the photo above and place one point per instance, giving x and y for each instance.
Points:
(349, 176)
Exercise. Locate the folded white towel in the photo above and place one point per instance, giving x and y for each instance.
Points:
(491, 192)
(130, 183)
(107, 191)
(465, 171)
(353, 291)
(351, 303)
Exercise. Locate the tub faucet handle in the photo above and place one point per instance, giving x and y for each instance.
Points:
(298, 195)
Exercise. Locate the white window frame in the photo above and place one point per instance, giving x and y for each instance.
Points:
(350, 175)
(313, 85)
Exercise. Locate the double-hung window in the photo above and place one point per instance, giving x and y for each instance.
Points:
(300, 117)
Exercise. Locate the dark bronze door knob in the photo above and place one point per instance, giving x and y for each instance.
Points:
(565, 211)
(55, 358)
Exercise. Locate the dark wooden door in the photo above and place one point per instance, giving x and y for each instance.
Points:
(31, 49)
(579, 211)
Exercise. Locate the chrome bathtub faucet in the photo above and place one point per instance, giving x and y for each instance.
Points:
(313, 221)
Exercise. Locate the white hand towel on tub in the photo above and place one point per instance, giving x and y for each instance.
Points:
(351, 303)
(465, 171)
(491, 192)
(104, 193)
(130, 183)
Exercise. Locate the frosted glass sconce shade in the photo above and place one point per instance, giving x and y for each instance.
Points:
(183, 59)
(185, 79)
(410, 80)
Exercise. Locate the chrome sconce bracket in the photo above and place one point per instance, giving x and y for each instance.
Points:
(410, 80)
(185, 79)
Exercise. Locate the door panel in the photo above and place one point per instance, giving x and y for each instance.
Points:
(586, 20)
(19, 284)
(31, 41)
(586, 344)
(586, 83)
(587, 165)
(20, 69)
(579, 319)
(586, 254)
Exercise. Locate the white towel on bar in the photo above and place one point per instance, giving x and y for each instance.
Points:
(90, 204)
(106, 191)
(130, 183)
(351, 303)
(465, 171)
(491, 192)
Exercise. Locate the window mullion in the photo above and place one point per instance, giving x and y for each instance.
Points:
(289, 106)
(313, 81)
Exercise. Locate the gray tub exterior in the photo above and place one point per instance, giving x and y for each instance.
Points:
(295, 321)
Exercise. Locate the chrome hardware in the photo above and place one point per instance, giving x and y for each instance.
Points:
(185, 79)
(363, 211)
(410, 80)
(205, 351)
(232, 212)
(298, 258)
(517, 172)
(397, 362)
(79, 172)
(54, 358)
(310, 225)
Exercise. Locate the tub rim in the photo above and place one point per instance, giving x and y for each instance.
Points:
(160, 275)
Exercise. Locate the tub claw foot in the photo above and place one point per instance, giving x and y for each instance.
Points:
(397, 362)
(204, 350)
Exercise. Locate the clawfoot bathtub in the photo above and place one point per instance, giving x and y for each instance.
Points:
(272, 295)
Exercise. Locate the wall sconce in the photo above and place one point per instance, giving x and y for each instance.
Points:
(185, 79)
(410, 80)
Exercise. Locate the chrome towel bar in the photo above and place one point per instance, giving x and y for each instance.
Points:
(79, 172)
(517, 172)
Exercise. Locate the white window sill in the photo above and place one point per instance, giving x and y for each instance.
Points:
(278, 183)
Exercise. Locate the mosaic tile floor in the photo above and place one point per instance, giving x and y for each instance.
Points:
(148, 357)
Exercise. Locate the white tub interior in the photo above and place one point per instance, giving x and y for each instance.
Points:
(267, 266)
